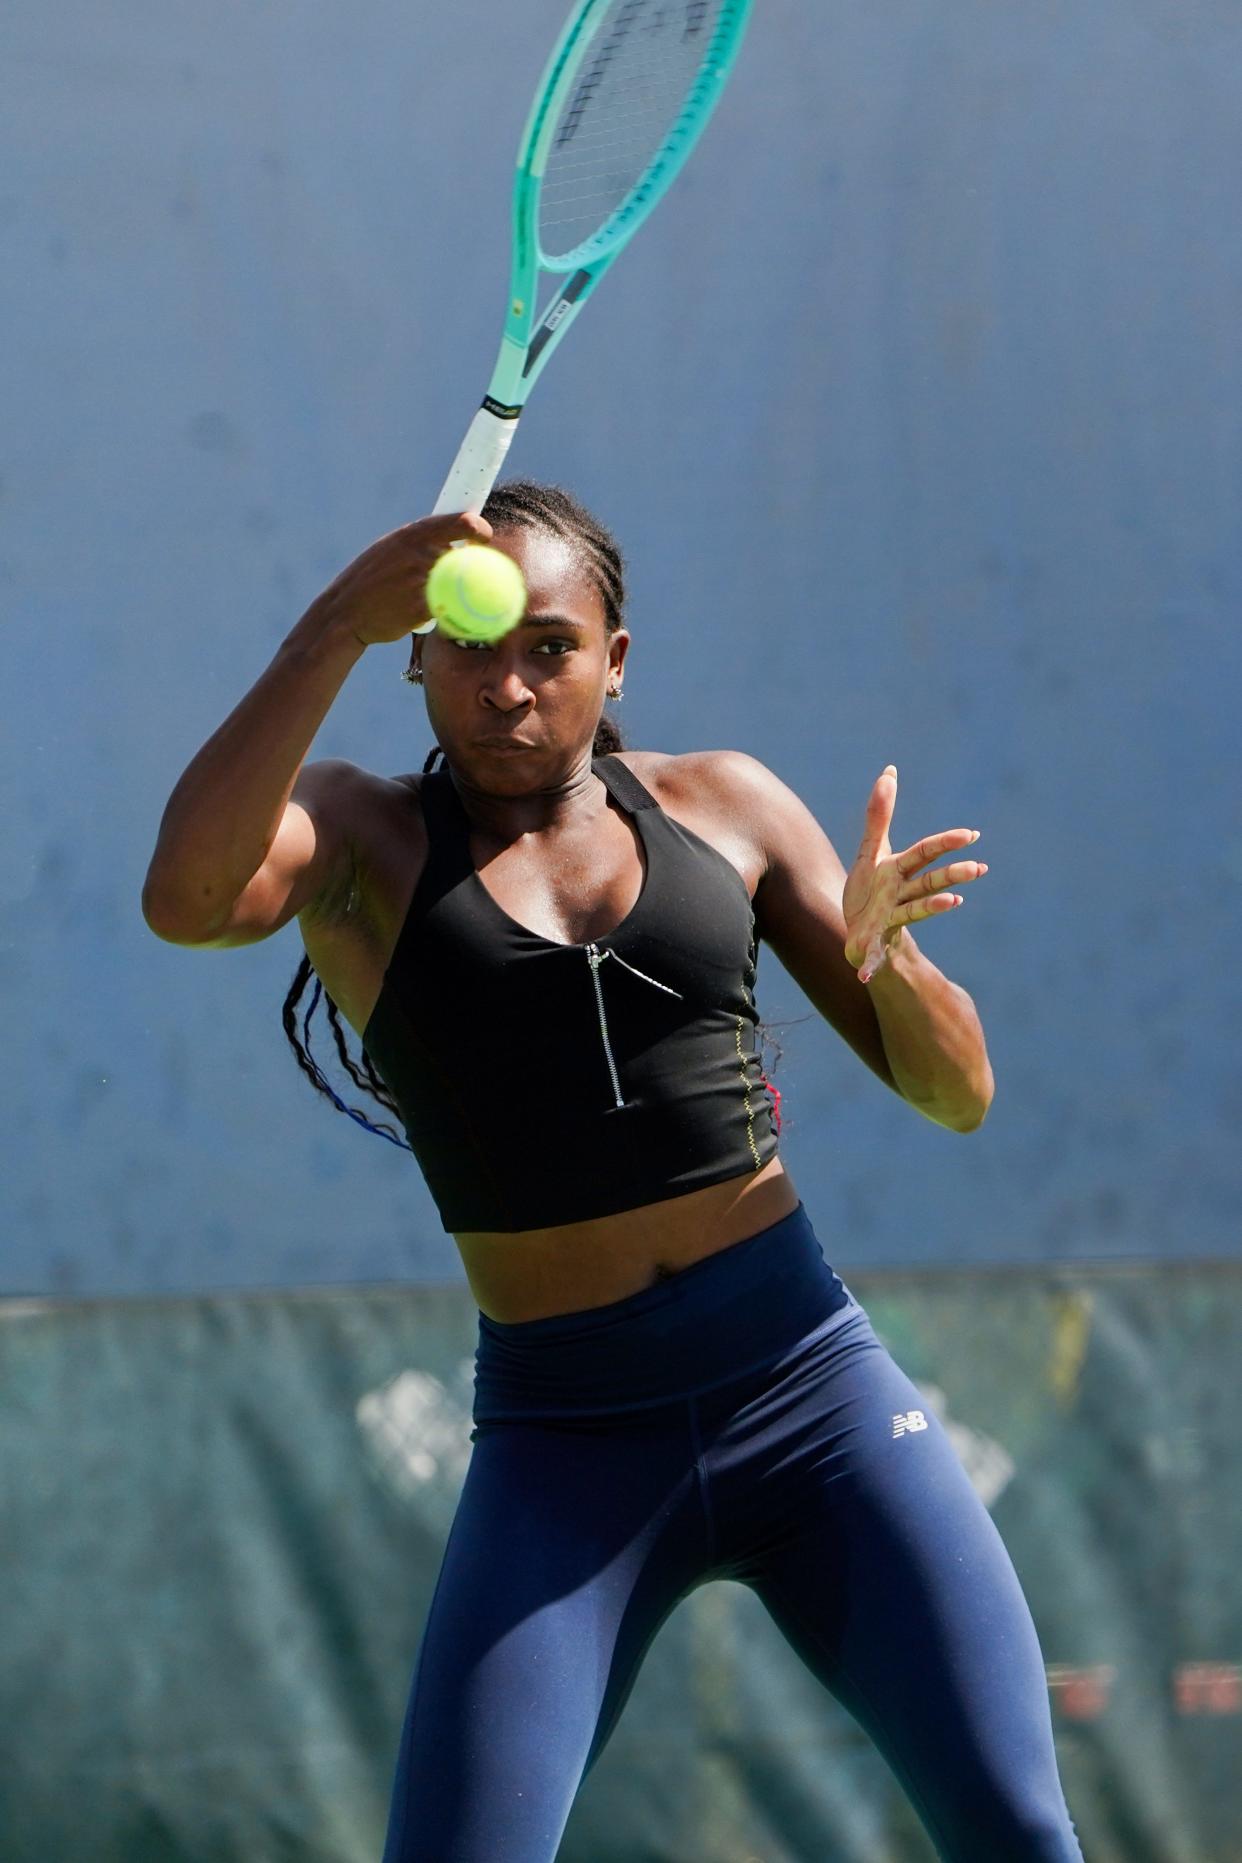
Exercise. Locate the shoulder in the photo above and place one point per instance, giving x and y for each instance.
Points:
(729, 784)
(730, 776)
(798, 879)
(740, 800)
(339, 782)
(361, 801)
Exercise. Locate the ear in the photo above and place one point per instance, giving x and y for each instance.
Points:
(618, 647)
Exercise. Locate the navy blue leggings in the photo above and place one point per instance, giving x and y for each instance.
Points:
(739, 1420)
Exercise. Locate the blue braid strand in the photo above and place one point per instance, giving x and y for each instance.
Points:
(359, 1118)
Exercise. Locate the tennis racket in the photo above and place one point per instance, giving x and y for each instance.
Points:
(624, 98)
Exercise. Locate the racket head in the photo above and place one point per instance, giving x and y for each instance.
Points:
(626, 95)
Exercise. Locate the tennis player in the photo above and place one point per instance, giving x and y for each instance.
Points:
(548, 946)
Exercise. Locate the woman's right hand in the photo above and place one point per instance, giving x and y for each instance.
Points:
(382, 594)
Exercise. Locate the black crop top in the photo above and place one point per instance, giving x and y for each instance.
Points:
(543, 1083)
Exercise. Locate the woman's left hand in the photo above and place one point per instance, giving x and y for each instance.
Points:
(882, 894)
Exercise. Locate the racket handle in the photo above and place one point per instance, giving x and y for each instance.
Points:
(475, 470)
(479, 459)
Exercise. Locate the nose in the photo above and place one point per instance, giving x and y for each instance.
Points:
(503, 686)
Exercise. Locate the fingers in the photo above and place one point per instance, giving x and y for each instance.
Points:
(959, 873)
(877, 949)
(873, 961)
(912, 910)
(474, 525)
(450, 527)
(927, 895)
(384, 588)
(933, 845)
(930, 892)
(880, 805)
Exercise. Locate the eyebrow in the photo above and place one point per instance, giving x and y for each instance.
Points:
(552, 621)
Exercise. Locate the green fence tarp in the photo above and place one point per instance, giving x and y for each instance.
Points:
(223, 1518)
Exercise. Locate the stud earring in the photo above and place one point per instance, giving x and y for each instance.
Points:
(615, 692)
(414, 674)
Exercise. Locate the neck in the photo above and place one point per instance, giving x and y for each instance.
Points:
(569, 800)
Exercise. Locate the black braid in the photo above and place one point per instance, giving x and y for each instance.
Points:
(362, 1075)
(310, 1067)
(289, 1016)
(519, 504)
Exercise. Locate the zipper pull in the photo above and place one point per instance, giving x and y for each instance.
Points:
(635, 972)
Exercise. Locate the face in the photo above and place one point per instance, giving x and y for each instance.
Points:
(520, 714)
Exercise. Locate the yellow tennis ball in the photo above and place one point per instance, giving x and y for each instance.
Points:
(475, 592)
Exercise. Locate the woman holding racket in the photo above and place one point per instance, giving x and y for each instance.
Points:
(550, 956)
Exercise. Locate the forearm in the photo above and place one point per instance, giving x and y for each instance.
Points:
(933, 1038)
(223, 815)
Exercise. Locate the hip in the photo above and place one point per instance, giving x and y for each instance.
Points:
(752, 1303)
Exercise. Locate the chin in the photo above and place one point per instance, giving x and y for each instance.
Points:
(506, 772)
(520, 771)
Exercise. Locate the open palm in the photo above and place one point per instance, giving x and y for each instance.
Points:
(885, 891)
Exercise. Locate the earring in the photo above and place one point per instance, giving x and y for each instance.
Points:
(615, 692)
(414, 674)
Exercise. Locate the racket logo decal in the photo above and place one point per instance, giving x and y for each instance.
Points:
(554, 317)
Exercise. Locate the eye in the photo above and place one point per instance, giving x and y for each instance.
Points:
(555, 649)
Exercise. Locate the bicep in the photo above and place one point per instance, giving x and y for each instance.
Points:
(309, 861)
(798, 914)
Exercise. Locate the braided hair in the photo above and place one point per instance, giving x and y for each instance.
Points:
(520, 504)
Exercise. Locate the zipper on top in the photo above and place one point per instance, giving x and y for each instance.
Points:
(595, 957)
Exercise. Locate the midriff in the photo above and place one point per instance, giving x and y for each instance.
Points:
(532, 1274)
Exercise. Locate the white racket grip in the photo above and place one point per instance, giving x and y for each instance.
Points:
(477, 465)
(475, 470)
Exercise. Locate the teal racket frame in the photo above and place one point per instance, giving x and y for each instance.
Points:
(530, 337)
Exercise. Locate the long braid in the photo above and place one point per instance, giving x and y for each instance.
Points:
(310, 1067)
(519, 504)
(360, 1074)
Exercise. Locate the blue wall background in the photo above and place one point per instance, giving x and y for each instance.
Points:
(916, 410)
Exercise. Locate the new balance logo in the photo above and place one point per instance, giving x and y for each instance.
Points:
(908, 1420)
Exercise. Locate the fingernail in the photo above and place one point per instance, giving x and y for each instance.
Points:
(890, 769)
(975, 835)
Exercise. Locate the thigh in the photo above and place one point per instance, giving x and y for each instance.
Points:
(896, 1589)
(567, 1550)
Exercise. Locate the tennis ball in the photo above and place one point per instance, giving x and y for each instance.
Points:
(475, 592)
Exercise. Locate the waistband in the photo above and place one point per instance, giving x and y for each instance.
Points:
(746, 1306)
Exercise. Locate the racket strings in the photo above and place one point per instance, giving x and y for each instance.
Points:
(624, 129)
(644, 73)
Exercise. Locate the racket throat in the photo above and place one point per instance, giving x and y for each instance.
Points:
(562, 307)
